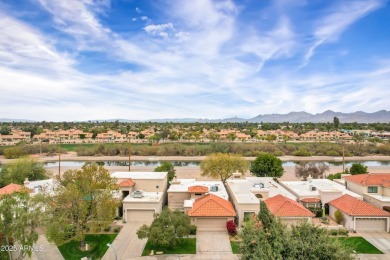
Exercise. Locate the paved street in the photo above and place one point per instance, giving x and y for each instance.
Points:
(202, 256)
(126, 244)
(213, 242)
(49, 251)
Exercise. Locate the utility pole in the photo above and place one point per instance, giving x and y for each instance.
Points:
(59, 159)
(343, 142)
(129, 150)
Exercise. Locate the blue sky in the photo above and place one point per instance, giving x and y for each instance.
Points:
(137, 59)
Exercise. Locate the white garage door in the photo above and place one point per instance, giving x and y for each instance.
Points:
(211, 224)
(371, 224)
(140, 215)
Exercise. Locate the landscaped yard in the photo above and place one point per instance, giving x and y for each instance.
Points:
(235, 247)
(187, 246)
(98, 247)
(360, 245)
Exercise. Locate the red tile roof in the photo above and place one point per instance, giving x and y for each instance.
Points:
(212, 206)
(11, 188)
(356, 207)
(310, 200)
(281, 206)
(380, 179)
(127, 183)
(198, 188)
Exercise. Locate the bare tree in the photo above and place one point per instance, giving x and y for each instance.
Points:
(315, 169)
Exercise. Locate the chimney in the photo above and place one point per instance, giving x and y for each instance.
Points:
(26, 182)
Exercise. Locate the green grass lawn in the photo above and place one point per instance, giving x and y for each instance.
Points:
(360, 245)
(98, 244)
(187, 246)
(235, 247)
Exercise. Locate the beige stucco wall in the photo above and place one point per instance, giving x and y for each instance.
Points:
(386, 191)
(375, 202)
(327, 196)
(176, 199)
(347, 219)
(240, 208)
(359, 189)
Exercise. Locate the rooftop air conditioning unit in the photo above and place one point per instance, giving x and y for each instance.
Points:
(214, 188)
(138, 194)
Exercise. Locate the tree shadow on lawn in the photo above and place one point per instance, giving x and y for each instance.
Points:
(98, 247)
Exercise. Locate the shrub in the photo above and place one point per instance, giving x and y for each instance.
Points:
(316, 211)
(338, 216)
(358, 168)
(302, 152)
(231, 227)
(107, 229)
(193, 229)
(334, 176)
(117, 229)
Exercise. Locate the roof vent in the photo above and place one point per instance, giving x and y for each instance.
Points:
(313, 188)
(258, 185)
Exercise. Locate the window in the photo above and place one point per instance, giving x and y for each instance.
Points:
(198, 194)
(372, 189)
(248, 215)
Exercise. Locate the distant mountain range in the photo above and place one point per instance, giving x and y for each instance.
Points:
(382, 116)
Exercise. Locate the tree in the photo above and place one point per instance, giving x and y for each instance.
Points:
(358, 168)
(267, 165)
(265, 216)
(17, 171)
(5, 130)
(167, 228)
(315, 169)
(223, 166)
(231, 136)
(336, 122)
(20, 216)
(167, 167)
(273, 240)
(82, 201)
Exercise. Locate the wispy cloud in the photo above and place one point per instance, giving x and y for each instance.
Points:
(196, 59)
(339, 18)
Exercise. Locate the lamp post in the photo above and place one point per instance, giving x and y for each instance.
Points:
(110, 245)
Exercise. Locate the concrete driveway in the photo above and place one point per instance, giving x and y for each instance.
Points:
(126, 244)
(380, 239)
(213, 243)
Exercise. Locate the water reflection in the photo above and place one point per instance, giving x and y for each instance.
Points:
(196, 163)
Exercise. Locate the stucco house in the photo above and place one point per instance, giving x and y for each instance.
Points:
(142, 194)
(317, 192)
(288, 210)
(211, 212)
(374, 187)
(359, 215)
(183, 192)
(247, 193)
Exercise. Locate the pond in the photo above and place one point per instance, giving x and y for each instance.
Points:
(196, 163)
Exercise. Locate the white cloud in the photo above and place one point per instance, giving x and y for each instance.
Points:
(160, 29)
(342, 16)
